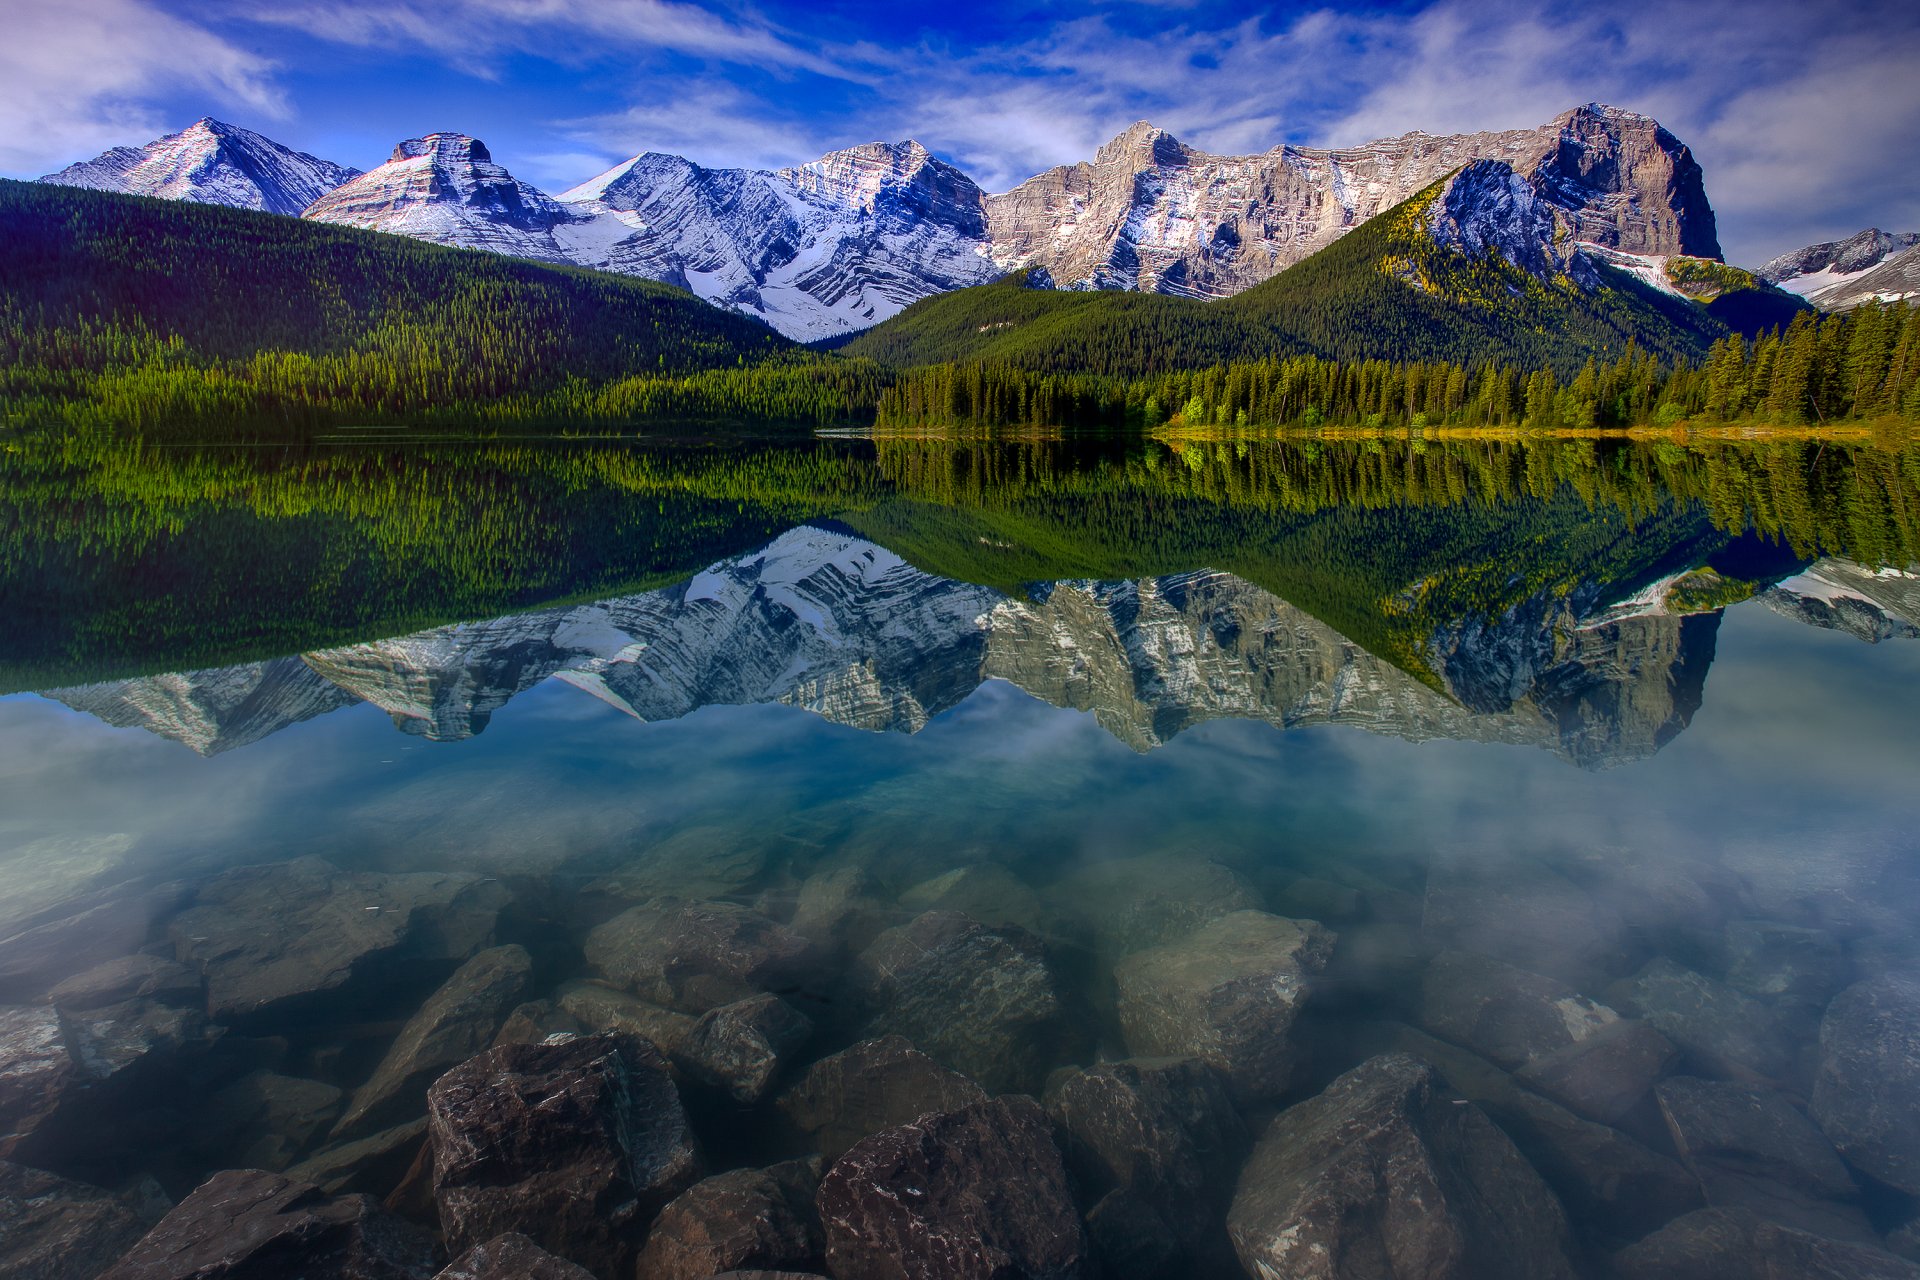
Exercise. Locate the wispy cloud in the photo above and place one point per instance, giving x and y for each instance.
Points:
(77, 76)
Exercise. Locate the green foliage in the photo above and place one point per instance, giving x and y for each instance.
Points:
(158, 317)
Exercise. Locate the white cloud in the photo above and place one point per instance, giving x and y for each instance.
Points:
(78, 76)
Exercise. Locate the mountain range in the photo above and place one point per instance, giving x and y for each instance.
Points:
(830, 248)
(1872, 266)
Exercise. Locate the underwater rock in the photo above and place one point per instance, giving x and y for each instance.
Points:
(35, 1071)
(54, 1229)
(247, 1224)
(979, 1000)
(1866, 1095)
(1784, 964)
(1385, 1175)
(1163, 1130)
(511, 1257)
(1130, 1241)
(1752, 1150)
(1617, 1189)
(534, 1021)
(749, 1218)
(1503, 1013)
(974, 1194)
(373, 1165)
(98, 930)
(1129, 904)
(695, 864)
(839, 910)
(696, 956)
(1734, 1244)
(985, 891)
(741, 1047)
(264, 1120)
(136, 977)
(575, 1145)
(1722, 1032)
(1227, 994)
(263, 937)
(601, 1010)
(1603, 1076)
(1522, 911)
(876, 1084)
(456, 1022)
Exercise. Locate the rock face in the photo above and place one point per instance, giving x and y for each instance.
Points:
(265, 936)
(698, 956)
(245, 1224)
(746, 1219)
(816, 250)
(876, 1084)
(456, 1022)
(974, 1194)
(1733, 1244)
(1867, 1093)
(211, 162)
(980, 1001)
(446, 188)
(53, 1229)
(1152, 213)
(1837, 274)
(511, 1257)
(1384, 1176)
(1162, 1131)
(1228, 994)
(575, 1145)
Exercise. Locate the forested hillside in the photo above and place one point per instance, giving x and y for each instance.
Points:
(1384, 291)
(131, 313)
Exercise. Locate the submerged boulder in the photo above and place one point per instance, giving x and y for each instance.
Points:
(974, 1194)
(263, 937)
(1385, 1175)
(876, 1084)
(696, 956)
(982, 1001)
(1128, 904)
(1866, 1096)
(575, 1144)
(740, 1048)
(748, 1218)
(1735, 1244)
(1227, 994)
(247, 1224)
(456, 1022)
(511, 1257)
(53, 1229)
(1508, 1015)
(1722, 1032)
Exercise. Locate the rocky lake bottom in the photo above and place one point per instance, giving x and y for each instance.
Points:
(816, 908)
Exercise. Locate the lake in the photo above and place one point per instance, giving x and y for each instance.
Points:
(1551, 798)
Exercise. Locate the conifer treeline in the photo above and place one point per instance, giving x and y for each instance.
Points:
(1859, 364)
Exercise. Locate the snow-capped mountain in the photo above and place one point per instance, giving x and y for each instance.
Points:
(822, 619)
(817, 250)
(446, 188)
(1837, 274)
(1153, 213)
(211, 162)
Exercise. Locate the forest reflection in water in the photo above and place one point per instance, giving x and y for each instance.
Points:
(1081, 727)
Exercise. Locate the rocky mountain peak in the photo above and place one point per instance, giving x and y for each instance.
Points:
(1142, 146)
(1488, 207)
(211, 162)
(1836, 274)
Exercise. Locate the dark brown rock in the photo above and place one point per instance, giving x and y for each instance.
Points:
(1866, 1096)
(1734, 1244)
(981, 1001)
(247, 1224)
(741, 1047)
(875, 1085)
(1386, 1175)
(697, 956)
(1603, 1076)
(456, 1022)
(1162, 1129)
(534, 1021)
(1502, 1013)
(974, 1194)
(575, 1145)
(511, 1257)
(53, 1229)
(749, 1218)
(264, 937)
(36, 1071)
(1752, 1150)
(1228, 994)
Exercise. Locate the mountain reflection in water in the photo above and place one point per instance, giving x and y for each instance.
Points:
(1039, 819)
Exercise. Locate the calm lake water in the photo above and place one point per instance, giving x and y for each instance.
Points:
(1478, 731)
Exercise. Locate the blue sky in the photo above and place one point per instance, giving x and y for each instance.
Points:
(1805, 115)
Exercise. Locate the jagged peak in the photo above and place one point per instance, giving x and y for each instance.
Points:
(1143, 143)
(443, 145)
(1604, 114)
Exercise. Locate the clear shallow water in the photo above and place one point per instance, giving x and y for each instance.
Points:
(1555, 744)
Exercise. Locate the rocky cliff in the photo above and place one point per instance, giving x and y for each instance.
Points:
(211, 162)
(1150, 212)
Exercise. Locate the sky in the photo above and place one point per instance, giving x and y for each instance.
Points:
(1804, 113)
